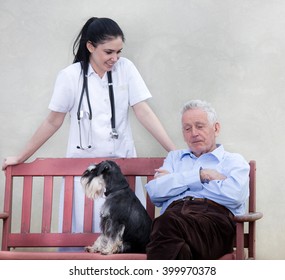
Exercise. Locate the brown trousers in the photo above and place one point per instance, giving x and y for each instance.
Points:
(190, 229)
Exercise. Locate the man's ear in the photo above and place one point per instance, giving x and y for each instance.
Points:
(217, 128)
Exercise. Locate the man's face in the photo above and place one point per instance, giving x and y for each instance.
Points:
(199, 134)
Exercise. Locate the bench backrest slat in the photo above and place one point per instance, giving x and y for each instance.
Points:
(47, 206)
(252, 185)
(88, 210)
(27, 204)
(68, 199)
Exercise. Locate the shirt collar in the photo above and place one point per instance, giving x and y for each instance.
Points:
(91, 70)
(218, 153)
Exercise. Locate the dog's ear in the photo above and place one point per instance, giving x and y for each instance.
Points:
(103, 167)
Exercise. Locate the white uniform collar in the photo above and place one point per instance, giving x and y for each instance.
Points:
(91, 70)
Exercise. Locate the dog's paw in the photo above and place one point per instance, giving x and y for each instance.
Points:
(98, 245)
(109, 251)
(106, 252)
(112, 248)
(91, 249)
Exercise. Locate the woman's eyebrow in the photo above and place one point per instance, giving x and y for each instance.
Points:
(112, 50)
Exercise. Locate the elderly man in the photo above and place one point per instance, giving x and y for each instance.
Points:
(199, 190)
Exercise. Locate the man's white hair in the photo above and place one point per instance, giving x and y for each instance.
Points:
(204, 106)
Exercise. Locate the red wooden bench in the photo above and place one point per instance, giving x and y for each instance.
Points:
(24, 182)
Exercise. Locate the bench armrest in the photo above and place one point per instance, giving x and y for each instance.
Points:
(248, 217)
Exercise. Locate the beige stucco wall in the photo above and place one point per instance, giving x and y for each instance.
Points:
(228, 52)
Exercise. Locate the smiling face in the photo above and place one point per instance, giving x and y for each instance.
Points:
(199, 133)
(105, 55)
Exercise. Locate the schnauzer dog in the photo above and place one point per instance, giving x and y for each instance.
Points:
(124, 223)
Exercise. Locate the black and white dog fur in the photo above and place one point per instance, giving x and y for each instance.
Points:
(124, 223)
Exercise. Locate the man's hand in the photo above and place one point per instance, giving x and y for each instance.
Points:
(207, 175)
(160, 172)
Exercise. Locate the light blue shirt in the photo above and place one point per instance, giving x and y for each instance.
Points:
(184, 179)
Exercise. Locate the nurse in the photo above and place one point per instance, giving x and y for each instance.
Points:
(84, 93)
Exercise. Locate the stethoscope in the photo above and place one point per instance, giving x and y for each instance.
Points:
(80, 113)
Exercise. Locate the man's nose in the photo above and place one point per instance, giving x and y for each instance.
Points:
(194, 131)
